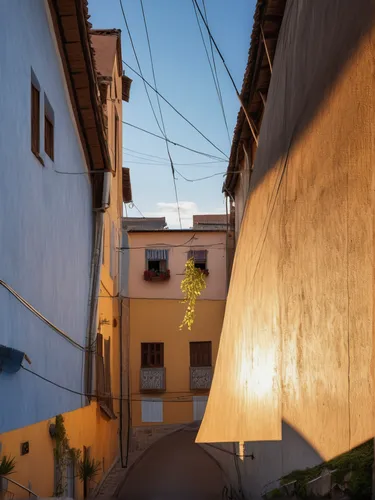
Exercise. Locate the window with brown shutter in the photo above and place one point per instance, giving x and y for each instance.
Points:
(152, 354)
(107, 373)
(200, 258)
(116, 141)
(35, 120)
(49, 137)
(200, 354)
(103, 374)
(100, 385)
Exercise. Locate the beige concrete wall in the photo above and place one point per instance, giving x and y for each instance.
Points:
(178, 243)
(297, 342)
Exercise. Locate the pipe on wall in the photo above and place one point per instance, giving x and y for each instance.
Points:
(95, 280)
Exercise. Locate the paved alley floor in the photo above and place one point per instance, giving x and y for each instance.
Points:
(174, 468)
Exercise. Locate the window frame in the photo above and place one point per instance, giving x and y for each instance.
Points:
(200, 262)
(150, 347)
(116, 141)
(198, 359)
(35, 120)
(49, 139)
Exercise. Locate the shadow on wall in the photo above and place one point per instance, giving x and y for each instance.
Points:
(265, 461)
(315, 44)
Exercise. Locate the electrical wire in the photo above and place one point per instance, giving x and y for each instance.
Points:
(213, 69)
(161, 115)
(39, 315)
(173, 107)
(132, 204)
(166, 159)
(138, 64)
(216, 46)
(229, 452)
(162, 244)
(172, 142)
(217, 77)
(95, 396)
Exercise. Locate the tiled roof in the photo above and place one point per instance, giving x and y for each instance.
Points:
(106, 43)
(268, 15)
(72, 28)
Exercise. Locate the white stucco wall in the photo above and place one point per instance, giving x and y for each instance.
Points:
(46, 223)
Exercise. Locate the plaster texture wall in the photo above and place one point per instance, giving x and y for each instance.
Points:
(153, 320)
(178, 244)
(46, 223)
(297, 344)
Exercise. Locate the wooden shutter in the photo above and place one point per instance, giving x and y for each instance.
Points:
(152, 354)
(116, 140)
(35, 119)
(100, 385)
(200, 354)
(107, 366)
(48, 137)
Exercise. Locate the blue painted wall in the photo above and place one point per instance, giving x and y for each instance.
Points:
(46, 224)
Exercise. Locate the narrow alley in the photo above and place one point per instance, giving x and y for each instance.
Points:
(175, 468)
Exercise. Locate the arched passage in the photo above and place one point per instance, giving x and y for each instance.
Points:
(174, 468)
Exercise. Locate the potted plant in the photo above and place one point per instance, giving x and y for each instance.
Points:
(87, 469)
(7, 466)
(152, 275)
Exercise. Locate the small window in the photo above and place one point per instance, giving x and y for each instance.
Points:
(157, 260)
(200, 354)
(103, 245)
(49, 132)
(48, 137)
(113, 254)
(116, 141)
(35, 120)
(152, 355)
(103, 372)
(200, 258)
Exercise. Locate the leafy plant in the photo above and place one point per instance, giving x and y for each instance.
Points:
(357, 461)
(192, 286)
(87, 469)
(64, 455)
(7, 466)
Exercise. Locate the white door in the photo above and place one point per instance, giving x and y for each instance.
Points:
(199, 406)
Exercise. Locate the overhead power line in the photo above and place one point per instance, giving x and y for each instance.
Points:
(133, 205)
(212, 68)
(178, 399)
(174, 108)
(172, 142)
(195, 3)
(138, 63)
(164, 160)
(251, 125)
(161, 115)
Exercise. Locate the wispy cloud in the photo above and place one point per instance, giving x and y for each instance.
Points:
(169, 211)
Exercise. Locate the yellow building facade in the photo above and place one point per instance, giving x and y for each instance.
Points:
(171, 368)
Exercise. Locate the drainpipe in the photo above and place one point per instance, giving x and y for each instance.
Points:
(121, 387)
(95, 281)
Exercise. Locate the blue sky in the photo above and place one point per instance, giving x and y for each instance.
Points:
(184, 78)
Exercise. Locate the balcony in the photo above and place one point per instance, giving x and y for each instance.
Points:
(152, 379)
(200, 378)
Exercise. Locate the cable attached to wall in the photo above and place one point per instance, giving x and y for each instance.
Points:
(39, 315)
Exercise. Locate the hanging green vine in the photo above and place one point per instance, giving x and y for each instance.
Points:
(191, 286)
(64, 455)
